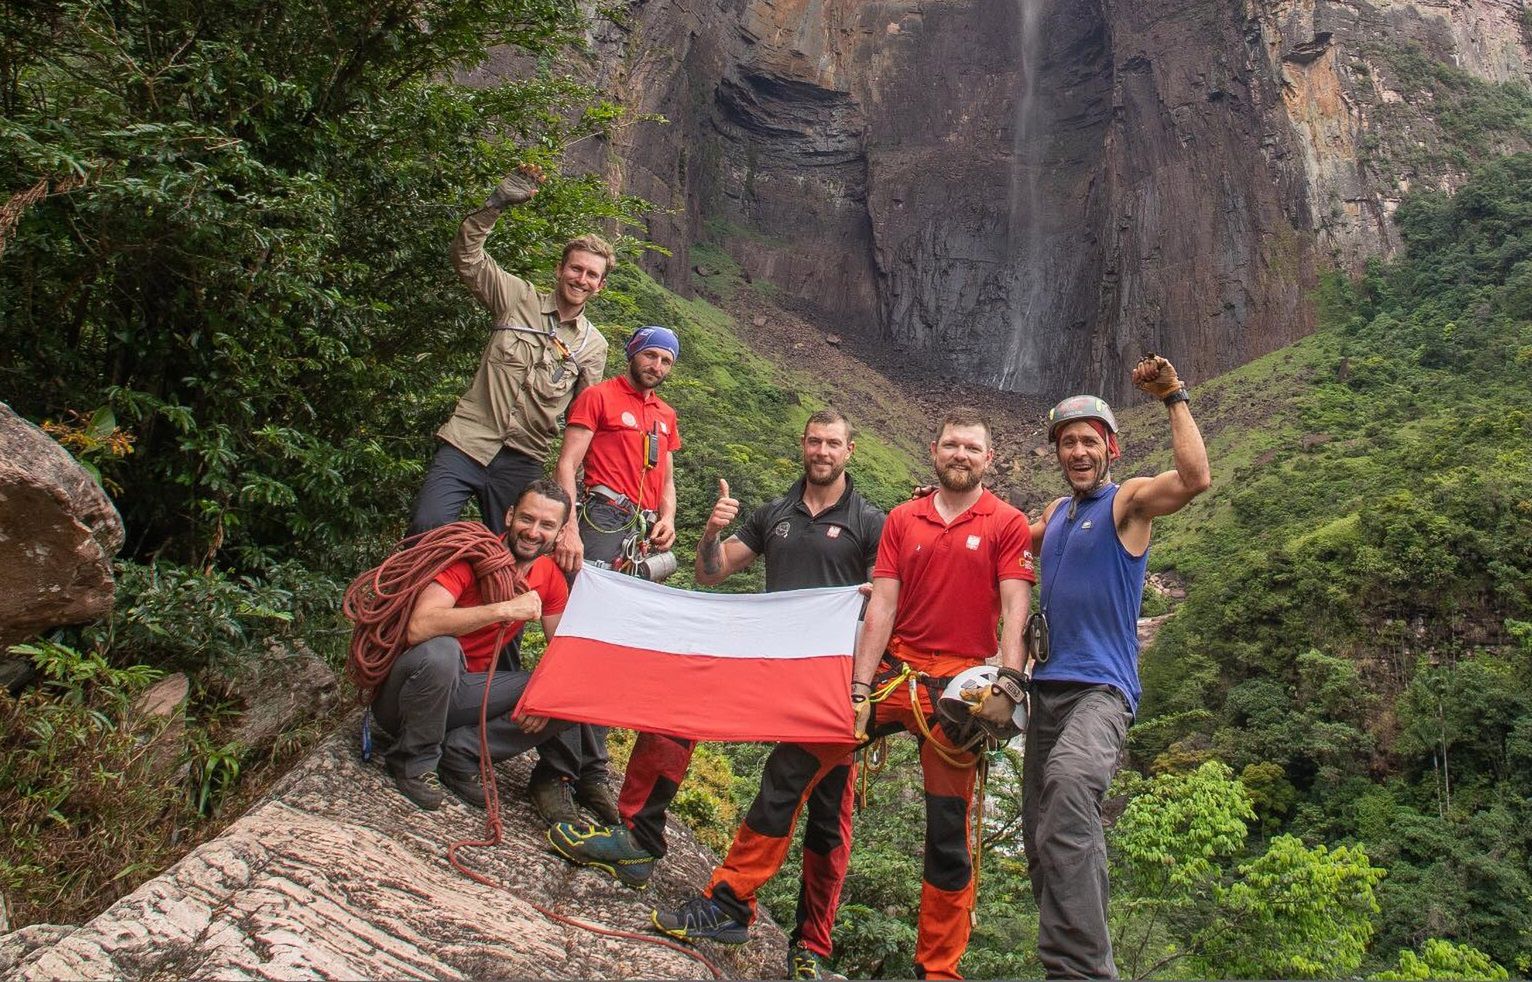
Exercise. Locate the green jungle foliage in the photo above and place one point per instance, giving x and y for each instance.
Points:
(240, 246)
(1354, 641)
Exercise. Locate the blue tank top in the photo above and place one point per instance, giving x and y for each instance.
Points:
(1092, 589)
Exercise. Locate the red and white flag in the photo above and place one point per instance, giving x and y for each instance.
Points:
(705, 666)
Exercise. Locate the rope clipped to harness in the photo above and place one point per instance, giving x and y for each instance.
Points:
(379, 602)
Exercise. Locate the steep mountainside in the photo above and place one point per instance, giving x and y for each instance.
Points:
(1032, 193)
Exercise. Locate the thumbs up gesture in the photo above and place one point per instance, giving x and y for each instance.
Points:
(725, 510)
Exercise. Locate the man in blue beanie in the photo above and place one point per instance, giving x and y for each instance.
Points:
(624, 435)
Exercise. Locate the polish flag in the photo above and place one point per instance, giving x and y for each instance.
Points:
(704, 666)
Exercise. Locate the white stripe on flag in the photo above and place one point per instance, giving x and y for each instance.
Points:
(624, 610)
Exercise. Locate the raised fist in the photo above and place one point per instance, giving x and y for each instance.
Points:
(1156, 376)
(516, 187)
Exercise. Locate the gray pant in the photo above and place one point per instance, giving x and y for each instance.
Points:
(430, 703)
(1074, 739)
(454, 476)
(594, 760)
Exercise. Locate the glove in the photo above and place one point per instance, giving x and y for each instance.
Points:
(994, 707)
(1156, 376)
(516, 187)
(863, 710)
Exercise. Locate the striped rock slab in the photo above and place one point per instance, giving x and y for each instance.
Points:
(335, 875)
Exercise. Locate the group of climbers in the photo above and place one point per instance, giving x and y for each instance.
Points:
(950, 572)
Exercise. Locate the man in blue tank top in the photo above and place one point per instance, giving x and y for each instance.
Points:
(1093, 547)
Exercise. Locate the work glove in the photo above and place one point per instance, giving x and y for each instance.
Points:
(1156, 376)
(990, 705)
(862, 708)
(516, 187)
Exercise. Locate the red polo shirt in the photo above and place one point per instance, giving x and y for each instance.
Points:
(949, 575)
(619, 417)
(544, 578)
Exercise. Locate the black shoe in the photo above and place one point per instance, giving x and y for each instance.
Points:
(553, 800)
(424, 790)
(467, 785)
(701, 919)
(594, 795)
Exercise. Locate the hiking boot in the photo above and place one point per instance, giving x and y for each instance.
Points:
(424, 790)
(803, 963)
(701, 919)
(467, 785)
(608, 848)
(553, 801)
(594, 795)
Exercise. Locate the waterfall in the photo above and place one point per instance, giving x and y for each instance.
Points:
(1027, 294)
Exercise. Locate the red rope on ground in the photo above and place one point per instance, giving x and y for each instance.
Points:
(379, 603)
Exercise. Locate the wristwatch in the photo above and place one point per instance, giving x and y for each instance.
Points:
(1177, 396)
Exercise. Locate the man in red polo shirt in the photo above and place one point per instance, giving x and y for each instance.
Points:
(432, 697)
(949, 567)
(625, 437)
(952, 567)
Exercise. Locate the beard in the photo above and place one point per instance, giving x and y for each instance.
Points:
(644, 381)
(526, 550)
(833, 475)
(958, 479)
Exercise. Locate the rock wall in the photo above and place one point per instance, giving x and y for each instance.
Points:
(1031, 193)
(336, 876)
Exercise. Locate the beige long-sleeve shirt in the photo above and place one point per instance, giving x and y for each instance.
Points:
(524, 383)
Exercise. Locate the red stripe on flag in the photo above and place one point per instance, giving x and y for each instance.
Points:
(698, 697)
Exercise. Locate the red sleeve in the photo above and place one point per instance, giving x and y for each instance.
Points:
(455, 578)
(887, 565)
(551, 586)
(585, 412)
(1013, 558)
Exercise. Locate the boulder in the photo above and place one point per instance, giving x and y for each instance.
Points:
(58, 534)
(336, 875)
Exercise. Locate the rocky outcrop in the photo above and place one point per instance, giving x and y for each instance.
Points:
(58, 534)
(1032, 193)
(335, 875)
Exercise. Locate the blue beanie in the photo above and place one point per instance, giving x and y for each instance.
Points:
(653, 336)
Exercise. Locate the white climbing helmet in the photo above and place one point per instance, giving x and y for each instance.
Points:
(967, 689)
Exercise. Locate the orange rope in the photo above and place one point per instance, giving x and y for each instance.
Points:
(379, 603)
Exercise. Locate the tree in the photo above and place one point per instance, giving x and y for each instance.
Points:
(1440, 959)
(1293, 912)
(239, 243)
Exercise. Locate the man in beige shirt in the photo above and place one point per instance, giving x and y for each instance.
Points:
(542, 351)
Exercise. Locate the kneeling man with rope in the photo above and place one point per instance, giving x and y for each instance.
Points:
(433, 695)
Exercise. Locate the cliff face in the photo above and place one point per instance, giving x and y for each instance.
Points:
(1032, 193)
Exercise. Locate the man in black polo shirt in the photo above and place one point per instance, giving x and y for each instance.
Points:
(820, 534)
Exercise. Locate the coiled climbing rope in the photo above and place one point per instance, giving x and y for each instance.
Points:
(379, 602)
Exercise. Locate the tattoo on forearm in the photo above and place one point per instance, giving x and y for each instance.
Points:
(712, 555)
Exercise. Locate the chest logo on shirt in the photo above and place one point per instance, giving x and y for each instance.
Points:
(628, 420)
(833, 532)
(1085, 525)
(973, 542)
(782, 528)
(664, 426)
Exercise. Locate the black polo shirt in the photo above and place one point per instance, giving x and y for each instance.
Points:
(834, 548)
